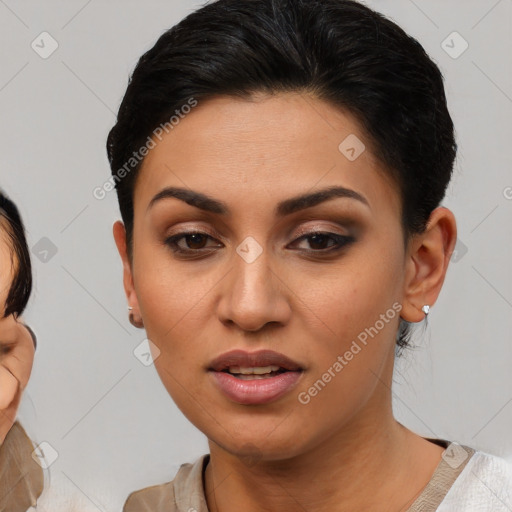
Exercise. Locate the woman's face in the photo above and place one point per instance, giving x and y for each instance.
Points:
(253, 281)
(16, 345)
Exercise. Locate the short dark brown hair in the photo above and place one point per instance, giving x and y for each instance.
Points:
(21, 286)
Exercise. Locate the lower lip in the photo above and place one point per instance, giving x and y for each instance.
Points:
(256, 391)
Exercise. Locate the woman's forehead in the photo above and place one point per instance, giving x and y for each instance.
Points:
(279, 143)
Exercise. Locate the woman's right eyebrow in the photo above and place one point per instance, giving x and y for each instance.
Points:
(286, 207)
(192, 198)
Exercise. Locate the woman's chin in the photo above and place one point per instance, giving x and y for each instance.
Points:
(255, 449)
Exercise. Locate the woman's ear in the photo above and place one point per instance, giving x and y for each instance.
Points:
(427, 260)
(119, 232)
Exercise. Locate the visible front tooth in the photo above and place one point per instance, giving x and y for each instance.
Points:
(252, 377)
(260, 370)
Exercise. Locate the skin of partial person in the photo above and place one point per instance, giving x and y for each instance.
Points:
(16, 346)
(344, 450)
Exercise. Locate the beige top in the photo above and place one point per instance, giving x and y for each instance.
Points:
(186, 492)
(21, 478)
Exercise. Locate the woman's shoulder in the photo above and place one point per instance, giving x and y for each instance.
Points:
(154, 498)
(184, 492)
(485, 484)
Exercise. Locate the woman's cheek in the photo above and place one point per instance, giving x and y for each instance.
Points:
(8, 388)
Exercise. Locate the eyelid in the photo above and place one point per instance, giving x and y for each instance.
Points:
(312, 229)
(186, 230)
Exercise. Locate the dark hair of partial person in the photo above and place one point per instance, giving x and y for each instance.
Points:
(21, 286)
(339, 51)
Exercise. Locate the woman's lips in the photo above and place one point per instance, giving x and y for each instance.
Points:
(246, 359)
(256, 391)
(252, 378)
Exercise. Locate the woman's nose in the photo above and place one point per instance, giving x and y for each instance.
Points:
(253, 294)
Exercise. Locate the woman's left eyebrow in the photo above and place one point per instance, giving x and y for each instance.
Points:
(286, 207)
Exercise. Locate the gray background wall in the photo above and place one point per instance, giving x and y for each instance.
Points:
(106, 415)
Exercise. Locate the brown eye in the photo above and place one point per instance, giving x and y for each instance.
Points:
(321, 242)
(195, 241)
(189, 243)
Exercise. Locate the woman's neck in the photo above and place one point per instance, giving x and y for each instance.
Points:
(381, 468)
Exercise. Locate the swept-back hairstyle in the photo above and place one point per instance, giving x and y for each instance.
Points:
(21, 287)
(338, 50)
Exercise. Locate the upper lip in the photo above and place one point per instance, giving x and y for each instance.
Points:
(245, 359)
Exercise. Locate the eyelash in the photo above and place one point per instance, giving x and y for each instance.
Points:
(341, 242)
